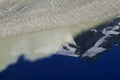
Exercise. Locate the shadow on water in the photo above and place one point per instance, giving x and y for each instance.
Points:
(65, 68)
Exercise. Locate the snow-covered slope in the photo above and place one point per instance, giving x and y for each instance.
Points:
(94, 41)
(24, 16)
(51, 24)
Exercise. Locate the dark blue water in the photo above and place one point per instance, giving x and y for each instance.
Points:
(107, 67)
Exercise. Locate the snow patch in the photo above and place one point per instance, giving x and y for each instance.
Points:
(94, 30)
(96, 49)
